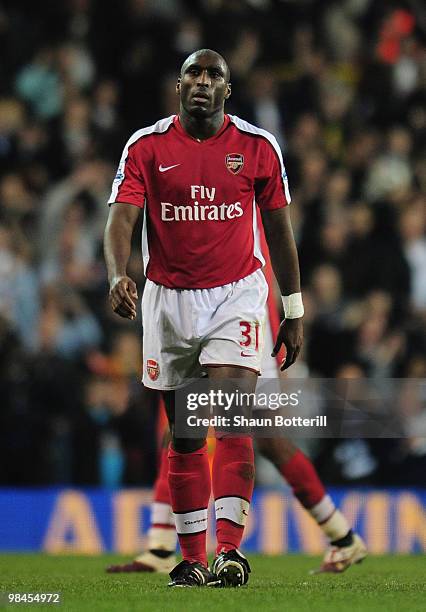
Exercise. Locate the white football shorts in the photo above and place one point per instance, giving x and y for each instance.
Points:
(185, 330)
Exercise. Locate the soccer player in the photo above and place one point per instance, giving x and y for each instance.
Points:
(198, 177)
(345, 548)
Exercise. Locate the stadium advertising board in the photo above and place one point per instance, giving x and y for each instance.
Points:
(96, 521)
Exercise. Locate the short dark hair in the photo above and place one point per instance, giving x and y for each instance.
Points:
(204, 52)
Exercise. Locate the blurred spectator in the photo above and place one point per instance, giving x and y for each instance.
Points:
(377, 344)
(265, 104)
(76, 66)
(39, 84)
(413, 234)
(72, 221)
(66, 328)
(391, 174)
(19, 290)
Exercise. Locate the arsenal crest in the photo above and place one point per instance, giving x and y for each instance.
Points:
(234, 162)
(153, 369)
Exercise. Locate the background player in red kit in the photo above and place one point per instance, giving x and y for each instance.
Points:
(199, 176)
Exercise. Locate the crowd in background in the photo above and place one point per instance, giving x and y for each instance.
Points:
(342, 86)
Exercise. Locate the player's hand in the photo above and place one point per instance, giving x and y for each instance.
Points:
(123, 295)
(290, 334)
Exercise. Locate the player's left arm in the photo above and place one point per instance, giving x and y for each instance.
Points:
(285, 263)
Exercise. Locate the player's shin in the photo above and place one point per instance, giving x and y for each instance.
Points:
(190, 486)
(233, 480)
(302, 476)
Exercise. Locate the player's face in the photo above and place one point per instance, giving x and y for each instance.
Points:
(203, 86)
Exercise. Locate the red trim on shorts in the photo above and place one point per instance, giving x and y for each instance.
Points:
(229, 365)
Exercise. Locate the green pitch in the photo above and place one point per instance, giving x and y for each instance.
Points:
(277, 583)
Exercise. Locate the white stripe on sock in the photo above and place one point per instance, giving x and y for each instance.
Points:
(191, 522)
(161, 514)
(162, 538)
(336, 527)
(323, 509)
(234, 509)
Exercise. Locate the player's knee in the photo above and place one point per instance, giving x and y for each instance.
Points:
(187, 445)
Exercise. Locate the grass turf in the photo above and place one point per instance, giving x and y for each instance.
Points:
(277, 583)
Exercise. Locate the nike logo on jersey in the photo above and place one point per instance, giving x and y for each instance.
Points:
(243, 354)
(165, 168)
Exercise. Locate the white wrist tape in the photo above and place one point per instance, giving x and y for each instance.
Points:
(293, 306)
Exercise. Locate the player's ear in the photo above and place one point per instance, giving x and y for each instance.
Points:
(178, 86)
(228, 91)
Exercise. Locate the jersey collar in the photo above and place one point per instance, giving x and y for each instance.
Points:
(184, 133)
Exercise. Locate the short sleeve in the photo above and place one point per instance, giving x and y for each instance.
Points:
(128, 185)
(271, 184)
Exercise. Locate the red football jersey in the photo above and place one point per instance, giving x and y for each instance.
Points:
(199, 199)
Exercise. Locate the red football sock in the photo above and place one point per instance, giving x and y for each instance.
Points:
(233, 481)
(161, 486)
(161, 511)
(302, 477)
(190, 486)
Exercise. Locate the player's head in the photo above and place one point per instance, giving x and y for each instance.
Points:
(204, 84)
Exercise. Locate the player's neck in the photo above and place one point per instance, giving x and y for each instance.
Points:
(201, 128)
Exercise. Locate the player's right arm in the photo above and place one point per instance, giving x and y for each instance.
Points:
(117, 246)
